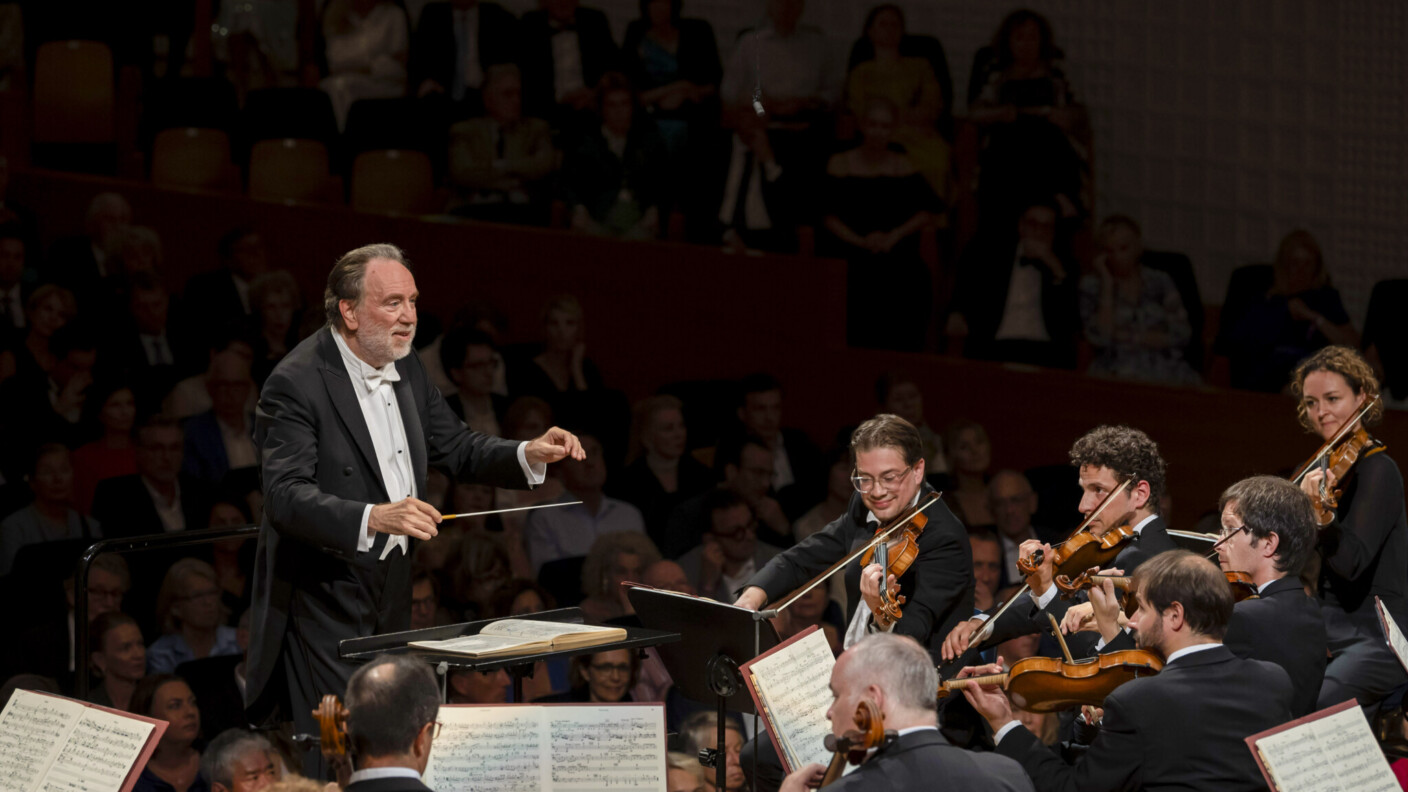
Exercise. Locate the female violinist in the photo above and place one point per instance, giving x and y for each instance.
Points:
(1364, 548)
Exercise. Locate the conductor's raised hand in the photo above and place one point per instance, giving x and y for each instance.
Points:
(554, 445)
(409, 517)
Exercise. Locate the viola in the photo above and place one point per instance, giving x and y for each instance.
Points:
(1240, 583)
(1048, 684)
(332, 737)
(855, 745)
(897, 554)
(1338, 455)
(1081, 552)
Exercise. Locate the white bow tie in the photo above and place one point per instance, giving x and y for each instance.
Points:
(373, 378)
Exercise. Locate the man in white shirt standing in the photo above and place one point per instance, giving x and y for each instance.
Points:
(347, 425)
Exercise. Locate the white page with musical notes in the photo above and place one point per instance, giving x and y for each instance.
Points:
(51, 744)
(596, 748)
(33, 729)
(795, 684)
(1336, 753)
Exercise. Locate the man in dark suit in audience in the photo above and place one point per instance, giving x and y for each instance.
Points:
(565, 51)
(152, 349)
(752, 195)
(14, 259)
(157, 498)
(895, 673)
(455, 44)
(1183, 728)
(222, 440)
(221, 298)
(79, 263)
(799, 478)
(393, 701)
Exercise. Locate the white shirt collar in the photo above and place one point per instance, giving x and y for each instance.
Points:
(870, 515)
(1187, 650)
(1139, 528)
(1262, 588)
(360, 370)
(377, 773)
(913, 729)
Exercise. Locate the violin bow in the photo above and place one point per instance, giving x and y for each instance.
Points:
(1334, 441)
(879, 537)
(506, 511)
(985, 632)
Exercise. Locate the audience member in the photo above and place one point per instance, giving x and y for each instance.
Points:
(138, 250)
(50, 651)
(47, 407)
(223, 295)
(425, 600)
(748, 473)
(614, 558)
(276, 306)
(52, 516)
(730, 552)
(118, 655)
(238, 760)
(470, 360)
(456, 45)
(756, 198)
(667, 575)
(393, 702)
(798, 474)
(838, 496)
(970, 458)
(813, 609)
(367, 43)
(151, 349)
(188, 609)
(190, 397)
(111, 410)
(909, 83)
(175, 764)
(701, 730)
(158, 498)
(520, 597)
(674, 63)
(899, 394)
(78, 263)
(1029, 118)
(1266, 335)
(14, 249)
(987, 568)
(500, 162)
(567, 379)
(219, 683)
(570, 531)
(661, 473)
(614, 175)
(683, 773)
(1013, 503)
(1024, 311)
(601, 678)
(47, 309)
(476, 571)
(220, 442)
(566, 49)
(1133, 315)
(467, 686)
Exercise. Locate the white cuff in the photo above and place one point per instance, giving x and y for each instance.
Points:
(979, 618)
(1044, 599)
(536, 474)
(1012, 724)
(364, 534)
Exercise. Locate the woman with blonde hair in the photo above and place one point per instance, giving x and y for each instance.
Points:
(48, 308)
(614, 558)
(661, 473)
(191, 616)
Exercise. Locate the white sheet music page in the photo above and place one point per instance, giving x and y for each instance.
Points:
(1336, 753)
(489, 749)
(98, 755)
(795, 684)
(598, 748)
(1396, 640)
(33, 729)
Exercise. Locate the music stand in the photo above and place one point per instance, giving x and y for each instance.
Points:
(715, 639)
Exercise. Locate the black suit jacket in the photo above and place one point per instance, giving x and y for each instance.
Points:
(320, 472)
(124, 507)
(1182, 729)
(939, 584)
(221, 704)
(980, 295)
(388, 785)
(599, 56)
(434, 44)
(215, 301)
(919, 759)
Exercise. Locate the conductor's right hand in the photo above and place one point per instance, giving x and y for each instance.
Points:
(409, 517)
(957, 641)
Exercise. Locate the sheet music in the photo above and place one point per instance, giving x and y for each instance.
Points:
(606, 748)
(1336, 753)
(481, 644)
(33, 729)
(542, 630)
(98, 755)
(488, 749)
(795, 684)
(1396, 641)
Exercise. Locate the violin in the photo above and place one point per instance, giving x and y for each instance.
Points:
(1081, 552)
(896, 554)
(332, 737)
(855, 745)
(1048, 684)
(1338, 456)
(1240, 583)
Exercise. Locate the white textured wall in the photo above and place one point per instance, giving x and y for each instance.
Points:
(1220, 124)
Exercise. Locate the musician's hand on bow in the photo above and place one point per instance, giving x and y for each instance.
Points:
(1105, 604)
(407, 517)
(805, 778)
(1040, 580)
(1078, 617)
(870, 586)
(989, 700)
(555, 444)
(956, 643)
(752, 598)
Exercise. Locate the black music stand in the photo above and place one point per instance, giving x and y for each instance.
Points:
(518, 666)
(715, 639)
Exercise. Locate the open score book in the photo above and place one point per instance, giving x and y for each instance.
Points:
(1332, 750)
(791, 684)
(508, 637)
(54, 744)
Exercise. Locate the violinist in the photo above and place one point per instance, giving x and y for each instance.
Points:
(895, 674)
(1268, 532)
(1104, 458)
(1364, 548)
(1183, 728)
(392, 705)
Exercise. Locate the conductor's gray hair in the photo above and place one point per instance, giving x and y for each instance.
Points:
(898, 665)
(350, 273)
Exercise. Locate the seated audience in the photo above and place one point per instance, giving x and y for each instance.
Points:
(701, 730)
(190, 396)
(475, 572)
(47, 309)
(987, 568)
(1133, 315)
(838, 496)
(52, 516)
(456, 45)
(1013, 503)
(899, 394)
(564, 376)
(274, 320)
(79, 263)
(614, 558)
(683, 773)
(118, 657)
(669, 576)
(798, 475)
(467, 686)
(48, 407)
(1299, 312)
(425, 600)
(614, 175)
(223, 295)
(601, 678)
(748, 473)
(755, 197)
(570, 531)
(730, 553)
(500, 162)
(238, 760)
(188, 608)
(218, 682)
(50, 651)
(565, 51)
(910, 84)
(970, 459)
(175, 764)
(152, 350)
(813, 609)
(876, 205)
(1015, 299)
(366, 43)
(393, 702)
(674, 63)
(111, 410)
(138, 250)
(661, 473)
(14, 277)
(1029, 119)
(221, 442)
(520, 597)
(158, 498)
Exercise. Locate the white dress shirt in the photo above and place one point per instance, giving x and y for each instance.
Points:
(378, 773)
(755, 209)
(239, 446)
(158, 351)
(798, 65)
(173, 518)
(1022, 317)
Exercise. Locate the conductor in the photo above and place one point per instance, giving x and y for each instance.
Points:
(347, 424)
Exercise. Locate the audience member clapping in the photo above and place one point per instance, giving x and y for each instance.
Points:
(52, 516)
(175, 764)
(367, 43)
(118, 657)
(499, 163)
(238, 760)
(615, 558)
(110, 411)
(614, 175)
(661, 473)
(188, 608)
(570, 531)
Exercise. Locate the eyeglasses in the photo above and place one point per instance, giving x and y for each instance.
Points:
(611, 668)
(1229, 530)
(736, 533)
(889, 481)
(435, 732)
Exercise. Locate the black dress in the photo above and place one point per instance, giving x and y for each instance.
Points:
(1029, 158)
(889, 296)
